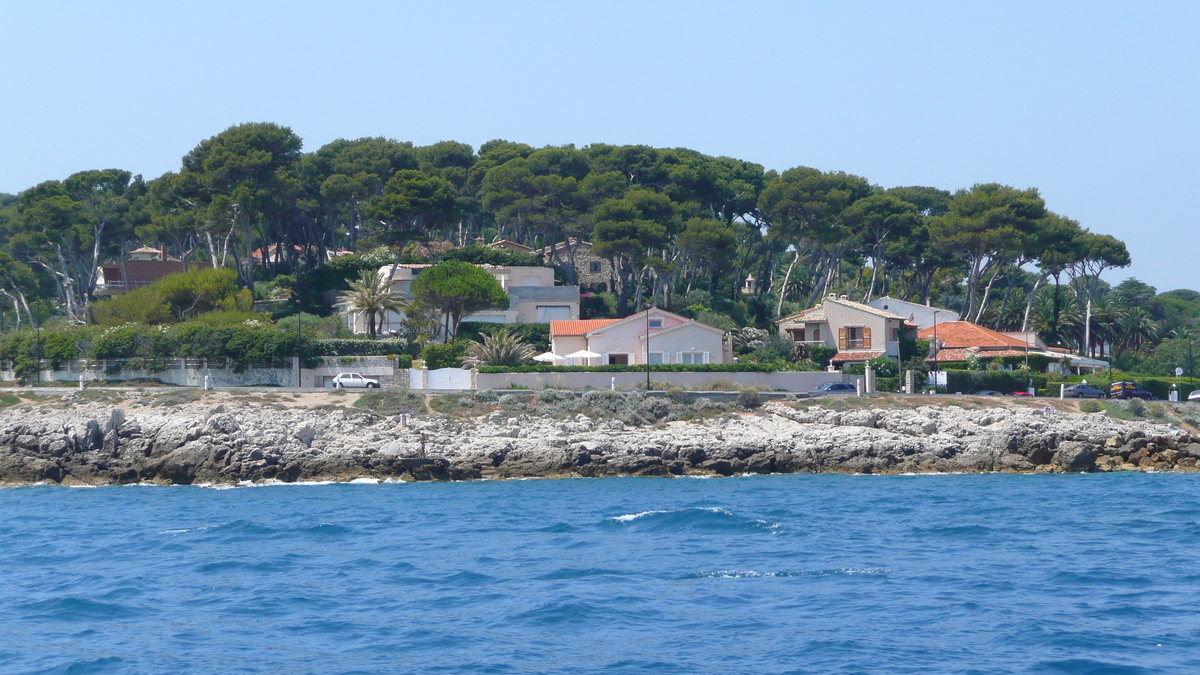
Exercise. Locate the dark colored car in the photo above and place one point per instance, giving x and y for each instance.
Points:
(1083, 391)
(1128, 390)
(836, 387)
(988, 392)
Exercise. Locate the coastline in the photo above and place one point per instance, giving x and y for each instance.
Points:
(172, 438)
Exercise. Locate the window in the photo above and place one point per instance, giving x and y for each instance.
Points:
(594, 266)
(797, 334)
(854, 337)
(618, 359)
(691, 358)
(548, 313)
(655, 324)
(895, 335)
(656, 358)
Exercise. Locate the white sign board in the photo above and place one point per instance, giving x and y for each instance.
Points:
(1179, 372)
(941, 379)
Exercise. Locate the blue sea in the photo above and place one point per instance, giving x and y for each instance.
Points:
(1095, 574)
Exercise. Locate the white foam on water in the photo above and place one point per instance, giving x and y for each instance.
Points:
(634, 516)
(365, 481)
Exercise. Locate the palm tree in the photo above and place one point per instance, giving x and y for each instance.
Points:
(371, 295)
(498, 349)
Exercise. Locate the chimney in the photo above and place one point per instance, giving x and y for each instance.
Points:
(844, 297)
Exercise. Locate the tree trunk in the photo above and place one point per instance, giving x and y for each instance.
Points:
(1029, 302)
(986, 294)
(783, 289)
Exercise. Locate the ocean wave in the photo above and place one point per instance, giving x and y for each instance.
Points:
(752, 574)
(695, 519)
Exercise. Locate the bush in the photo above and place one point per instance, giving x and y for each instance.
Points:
(357, 347)
(554, 396)
(887, 384)
(1136, 406)
(749, 398)
(447, 355)
(884, 366)
(389, 403)
(1090, 406)
(968, 381)
(677, 395)
(820, 354)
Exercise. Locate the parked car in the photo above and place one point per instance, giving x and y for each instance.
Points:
(344, 380)
(1194, 396)
(1128, 390)
(1021, 394)
(1083, 391)
(835, 387)
(988, 392)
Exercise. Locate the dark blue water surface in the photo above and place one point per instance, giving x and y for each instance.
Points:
(1089, 574)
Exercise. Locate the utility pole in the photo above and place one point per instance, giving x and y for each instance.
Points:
(647, 349)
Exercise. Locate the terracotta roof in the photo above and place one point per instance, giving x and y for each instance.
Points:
(952, 355)
(962, 334)
(845, 357)
(578, 326)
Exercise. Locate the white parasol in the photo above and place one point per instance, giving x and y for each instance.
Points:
(549, 357)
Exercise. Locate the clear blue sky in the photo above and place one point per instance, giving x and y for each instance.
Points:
(1094, 103)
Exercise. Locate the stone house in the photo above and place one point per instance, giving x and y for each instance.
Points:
(672, 339)
(592, 272)
(859, 332)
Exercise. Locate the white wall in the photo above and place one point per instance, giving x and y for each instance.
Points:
(795, 382)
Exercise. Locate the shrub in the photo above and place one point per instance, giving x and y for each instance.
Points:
(498, 349)
(1136, 406)
(485, 396)
(447, 355)
(1090, 406)
(357, 347)
(554, 396)
(677, 395)
(749, 398)
(1156, 410)
(884, 366)
(821, 354)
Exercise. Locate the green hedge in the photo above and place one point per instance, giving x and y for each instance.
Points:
(665, 368)
(889, 384)
(970, 381)
(351, 347)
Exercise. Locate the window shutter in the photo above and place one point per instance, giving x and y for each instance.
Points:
(841, 338)
(866, 337)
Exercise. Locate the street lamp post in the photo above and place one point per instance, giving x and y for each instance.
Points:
(38, 364)
(935, 351)
(299, 352)
(647, 349)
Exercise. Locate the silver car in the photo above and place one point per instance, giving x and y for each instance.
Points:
(347, 380)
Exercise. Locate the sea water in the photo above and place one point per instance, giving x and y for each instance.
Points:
(758, 574)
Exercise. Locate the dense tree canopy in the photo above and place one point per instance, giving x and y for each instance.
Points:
(678, 228)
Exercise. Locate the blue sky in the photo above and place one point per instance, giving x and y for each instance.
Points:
(1096, 104)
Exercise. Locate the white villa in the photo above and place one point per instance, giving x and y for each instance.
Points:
(672, 339)
(859, 332)
(533, 297)
(923, 316)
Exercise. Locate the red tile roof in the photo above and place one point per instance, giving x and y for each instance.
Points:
(963, 334)
(578, 326)
(845, 357)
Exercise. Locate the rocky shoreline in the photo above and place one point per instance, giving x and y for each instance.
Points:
(91, 443)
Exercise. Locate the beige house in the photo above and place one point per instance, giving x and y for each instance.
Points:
(533, 297)
(859, 332)
(591, 271)
(672, 339)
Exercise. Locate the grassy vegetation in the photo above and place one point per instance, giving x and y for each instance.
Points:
(387, 402)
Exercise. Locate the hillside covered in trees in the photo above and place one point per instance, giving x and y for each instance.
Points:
(681, 229)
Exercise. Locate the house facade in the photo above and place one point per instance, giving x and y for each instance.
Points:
(533, 297)
(671, 339)
(859, 332)
(921, 315)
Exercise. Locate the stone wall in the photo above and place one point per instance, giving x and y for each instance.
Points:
(796, 382)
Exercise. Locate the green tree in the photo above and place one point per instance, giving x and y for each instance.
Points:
(498, 349)
(456, 289)
(371, 296)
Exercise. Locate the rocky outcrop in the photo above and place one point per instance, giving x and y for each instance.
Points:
(94, 444)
